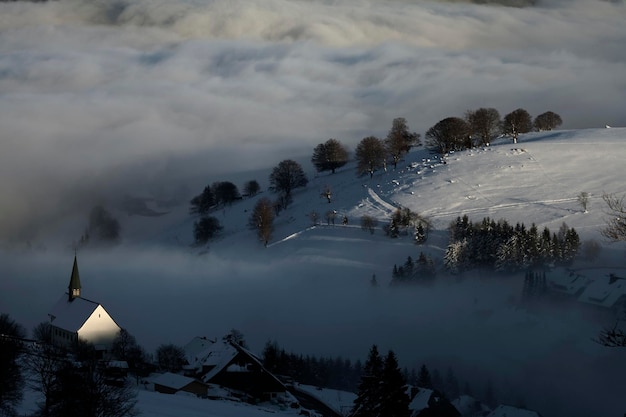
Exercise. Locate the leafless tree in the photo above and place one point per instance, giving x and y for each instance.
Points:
(368, 223)
(329, 156)
(615, 229)
(484, 123)
(400, 140)
(314, 216)
(85, 390)
(126, 348)
(583, 200)
(251, 188)
(170, 357)
(371, 155)
(449, 134)
(225, 192)
(236, 337)
(331, 215)
(612, 337)
(516, 122)
(286, 176)
(42, 364)
(262, 219)
(547, 121)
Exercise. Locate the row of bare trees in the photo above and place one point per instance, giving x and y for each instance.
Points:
(479, 127)
(371, 154)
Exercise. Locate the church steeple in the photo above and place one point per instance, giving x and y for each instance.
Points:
(74, 287)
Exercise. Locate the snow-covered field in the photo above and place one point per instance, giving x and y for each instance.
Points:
(309, 289)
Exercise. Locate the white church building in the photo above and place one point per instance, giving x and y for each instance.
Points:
(75, 318)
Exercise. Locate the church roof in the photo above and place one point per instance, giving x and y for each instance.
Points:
(71, 315)
(75, 278)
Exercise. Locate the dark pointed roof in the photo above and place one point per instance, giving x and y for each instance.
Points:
(75, 278)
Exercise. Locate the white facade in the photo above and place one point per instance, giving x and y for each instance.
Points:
(99, 329)
(84, 320)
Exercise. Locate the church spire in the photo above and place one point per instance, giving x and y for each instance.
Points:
(74, 287)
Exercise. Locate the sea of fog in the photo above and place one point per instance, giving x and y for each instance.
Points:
(476, 325)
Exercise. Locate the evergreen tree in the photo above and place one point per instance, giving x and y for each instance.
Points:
(437, 381)
(452, 388)
(420, 234)
(456, 258)
(271, 355)
(373, 281)
(408, 267)
(367, 403)
(394, 272)
(394, 401)
(425, 268)
(423, 378)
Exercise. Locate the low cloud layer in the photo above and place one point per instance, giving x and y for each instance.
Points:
(475, 326)
(100, 99)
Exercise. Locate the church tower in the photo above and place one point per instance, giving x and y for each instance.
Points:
(74, 287)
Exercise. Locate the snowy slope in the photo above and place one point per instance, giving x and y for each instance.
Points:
(537, 180)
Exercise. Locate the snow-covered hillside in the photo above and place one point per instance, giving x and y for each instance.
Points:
(309, 289)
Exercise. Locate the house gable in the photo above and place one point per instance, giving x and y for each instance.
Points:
(231, 366)
(99, 329)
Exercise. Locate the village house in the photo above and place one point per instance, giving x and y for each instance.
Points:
(604, 291)
(169, 383)
(75, 318)
(229, 365)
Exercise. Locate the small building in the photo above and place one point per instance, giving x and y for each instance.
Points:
(431, 403)
(469, 406)
(231, 366)
(608, 292)
(169, 383)
(75, 318)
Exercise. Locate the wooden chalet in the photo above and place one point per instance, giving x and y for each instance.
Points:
(232, 366)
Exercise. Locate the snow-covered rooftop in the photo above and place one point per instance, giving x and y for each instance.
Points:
(605, 291)
(71, 315)
(171, 380)
(420, 400)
